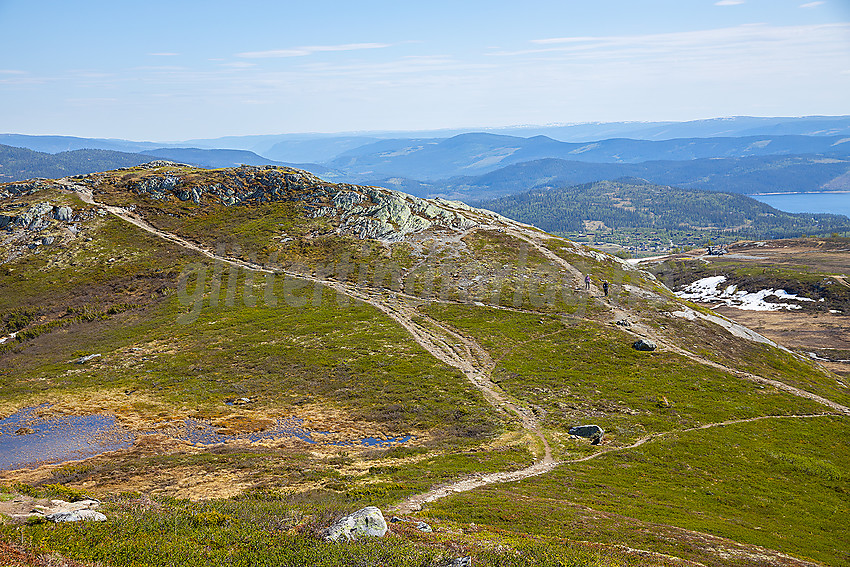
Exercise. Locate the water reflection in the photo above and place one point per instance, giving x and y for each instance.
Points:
(29, 439)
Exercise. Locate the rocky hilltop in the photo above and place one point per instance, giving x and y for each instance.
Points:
(367, 212)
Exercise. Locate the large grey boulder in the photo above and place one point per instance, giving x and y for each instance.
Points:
(61, 511)
(62, 213)
(368, 521)
(592, 432)
(644, 344)
(84, 515)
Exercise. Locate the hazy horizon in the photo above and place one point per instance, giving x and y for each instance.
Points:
(189, 70)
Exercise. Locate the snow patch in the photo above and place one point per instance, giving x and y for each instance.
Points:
(707, 290)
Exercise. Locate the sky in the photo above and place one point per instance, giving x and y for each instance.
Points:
(181, 69)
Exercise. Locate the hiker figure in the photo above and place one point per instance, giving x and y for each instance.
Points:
(587, 281)
(605, 288)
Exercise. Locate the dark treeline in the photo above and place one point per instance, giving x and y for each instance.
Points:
(17, 164)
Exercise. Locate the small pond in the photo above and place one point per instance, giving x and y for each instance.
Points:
(29, 439)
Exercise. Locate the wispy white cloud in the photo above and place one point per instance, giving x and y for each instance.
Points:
(164, 54)
(812, 4)
(737, 42)
(309, 50)
(12, 72)
(728, 2)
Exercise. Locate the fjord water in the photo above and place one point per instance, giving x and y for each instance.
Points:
(836, 203)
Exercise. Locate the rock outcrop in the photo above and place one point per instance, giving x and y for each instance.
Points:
(368, 521)
(361, 211)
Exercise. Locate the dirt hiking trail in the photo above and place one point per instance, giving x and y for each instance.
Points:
(469, 357)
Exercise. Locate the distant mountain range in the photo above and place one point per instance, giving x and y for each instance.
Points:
(739, 155)
(471, 154)
(748, 175)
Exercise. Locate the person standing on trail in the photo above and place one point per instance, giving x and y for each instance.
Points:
(587, 281)
(605, 288)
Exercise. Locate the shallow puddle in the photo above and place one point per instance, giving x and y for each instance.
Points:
(28, 440)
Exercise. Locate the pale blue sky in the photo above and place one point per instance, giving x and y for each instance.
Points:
(175, 70)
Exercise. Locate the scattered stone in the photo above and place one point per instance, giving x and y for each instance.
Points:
(459, 562)
(33, 511)
(47, 241)
(368, 521)
(84, 359)
(423, 527)
(82, 511)
(645, 345)
(663, 402)
(396, 519)
(77, 516)
(592, 432)
(24, 431)
(623, 323)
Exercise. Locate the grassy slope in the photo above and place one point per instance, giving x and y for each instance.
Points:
(349, 355)
(580, 371)
(781, 484)
(351, 360)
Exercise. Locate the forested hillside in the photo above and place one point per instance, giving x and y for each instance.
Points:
(20, 163)
(624, 209)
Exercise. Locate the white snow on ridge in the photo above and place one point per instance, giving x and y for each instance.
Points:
(707, 290)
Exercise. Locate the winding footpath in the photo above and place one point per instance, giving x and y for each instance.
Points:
(471, 359)
(443, 343)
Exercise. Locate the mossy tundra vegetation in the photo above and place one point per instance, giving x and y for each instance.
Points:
(462, 343)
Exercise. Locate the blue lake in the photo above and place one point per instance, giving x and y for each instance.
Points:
(837, 203)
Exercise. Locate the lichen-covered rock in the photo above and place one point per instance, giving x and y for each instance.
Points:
(63, 213)
(424, 527)
(34, 217)
(368, 521)
(84, 515)
(158, 187)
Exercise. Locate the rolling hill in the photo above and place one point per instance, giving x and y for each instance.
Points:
(634, 212)
(281, 351)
